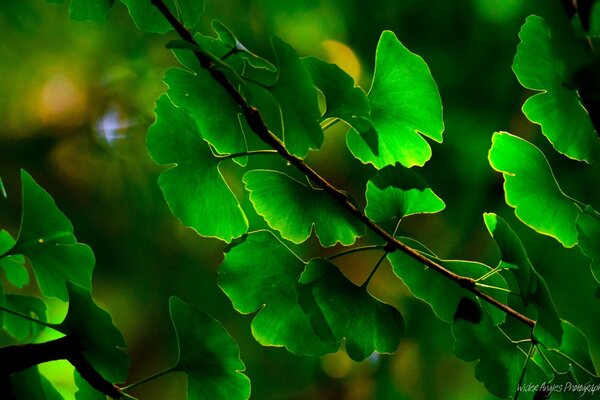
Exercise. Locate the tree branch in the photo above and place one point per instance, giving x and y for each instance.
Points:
(259, 127)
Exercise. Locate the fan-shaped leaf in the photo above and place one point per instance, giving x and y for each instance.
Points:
(194, 189)
(397, 192)
(588, 237)
(297, 97)
(293, 208)
(93, 328)
(558, 109)
(349, 311)
(12, 265)
(261, 274)
(532, 286)
(208, 355)
(442, 294)
(576, 348)
(404, 102)
(18, 327)
(531, 188)
(46, 239)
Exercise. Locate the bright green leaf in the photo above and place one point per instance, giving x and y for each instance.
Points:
(351, 313)
(208, 355)
(588, 238)
(442, 294)
(558, 109)
(21, 328)
(397, 192)
(405, 104)
(501, 361)
(85, 390)
(31, 385)
(93, 328)
(194, 189)
(297, 97)
(46, 239)
(293, 208)
(532, 286)
(261, 274)
(531, 188)
(12, 265)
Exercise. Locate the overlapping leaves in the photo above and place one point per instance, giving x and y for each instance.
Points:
(147, 17)
(558, 108)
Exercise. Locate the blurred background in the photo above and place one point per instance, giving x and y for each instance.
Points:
(77, 98)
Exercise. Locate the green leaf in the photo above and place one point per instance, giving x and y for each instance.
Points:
(397, 192)
(350, 312)
(194, 189)
(588, 237)
(558, 108)
(216, 115)
(31, 385)
(297, 97)
(232, 42)
(405, 104)
(442, 294)
(46, 238)
(93, 10)
(147, 17)
(500, 360)
(208, 355)
(532, 286)
(85, 390)
(18, 327)
(576, 348)
(93, 328)
(293, 209)
(189, 11)
(261, 274)
(12, 265)
(531, 188)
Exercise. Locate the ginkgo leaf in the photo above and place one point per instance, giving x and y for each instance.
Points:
(588, 237)
(194, 188)
(349, 311)
(46, 239)
(397, 192)
(558, 108)
(293, 208)
(573, 353)
(261, 274)
(85, 391)
(93, 328)
(31, 385)
(442, 294)
(216, 116)
(12, 265)
(297, 97)
(405, 104)
(533, 288)
(532, 190)
(501, 361)
(208, 355)
(147, 17)
(31, 306)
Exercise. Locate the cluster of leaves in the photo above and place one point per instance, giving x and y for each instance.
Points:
(309, 306)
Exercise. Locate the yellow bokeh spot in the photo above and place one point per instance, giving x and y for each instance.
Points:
(342, 55)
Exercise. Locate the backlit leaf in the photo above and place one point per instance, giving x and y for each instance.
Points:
(261, 274)
(350, 312)
(147, 17)
(397, 192)
(558, 108)
(293, 208)
(18, 327)
(532, 286)
(208, 355)
(576, 348)
(85, 391)
(405, 104)
(194, 188)
(31, 385)
(46, 239)
(588, 237)
(530, 188)
(12, 265)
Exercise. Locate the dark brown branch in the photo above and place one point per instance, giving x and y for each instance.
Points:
(259, 127)
(20, 357)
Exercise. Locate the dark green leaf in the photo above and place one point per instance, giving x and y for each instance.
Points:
(531, 188)
(501, 361)
(93, 328)
(397, 192)
(85, 390)
(532, 286)
(18, 327)
(147, 17)
(293, 208)
(442, 294)
(31, 385)
(261, 274)
(194, 189)
(351, 313)
(94, 10)
(588, 237)
(297, 97)
(12, 265)
(404, 101)
(558, 109)
(46, 239)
